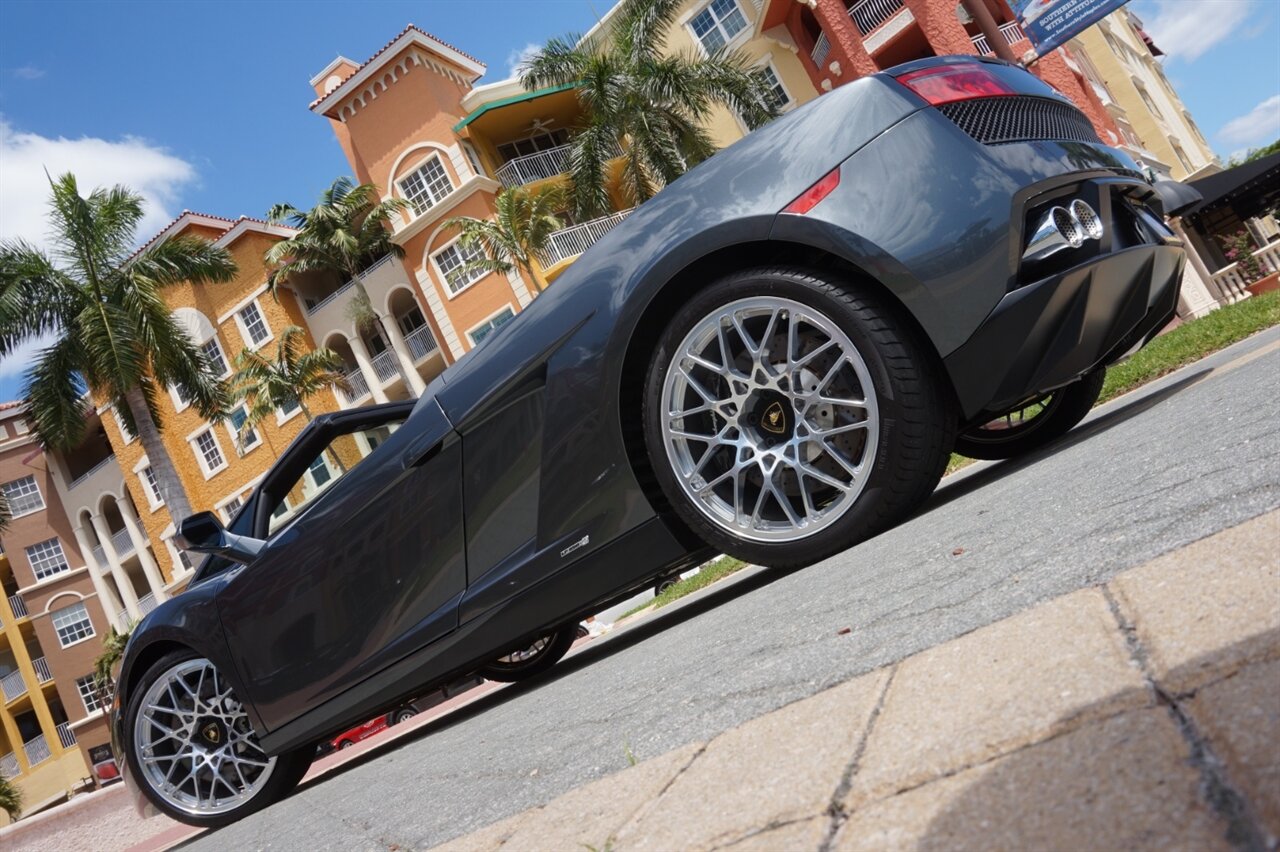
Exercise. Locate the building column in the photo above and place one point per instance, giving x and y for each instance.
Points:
(1214, 292)
(361, 353)
(117, 569)
(845, 39)
(35, 691)
(401, 348)
(111, 605)
(941, 27)
(143, 546)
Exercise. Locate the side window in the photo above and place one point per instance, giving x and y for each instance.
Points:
(326, 469)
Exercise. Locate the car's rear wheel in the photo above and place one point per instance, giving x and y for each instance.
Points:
(195, 754)
(790, 414)
(1033, 424)
(535, 658)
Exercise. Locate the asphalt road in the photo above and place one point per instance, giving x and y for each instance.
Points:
(1190, 455)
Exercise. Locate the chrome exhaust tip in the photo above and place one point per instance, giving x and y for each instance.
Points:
(1058, 230)
(1089, 222)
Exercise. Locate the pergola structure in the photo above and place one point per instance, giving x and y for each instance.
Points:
(1232, 198)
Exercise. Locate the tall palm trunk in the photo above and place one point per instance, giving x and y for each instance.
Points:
(171, 490)
(538, 283)
(382, 329)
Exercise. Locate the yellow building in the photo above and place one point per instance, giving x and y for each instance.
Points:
(1121, 61)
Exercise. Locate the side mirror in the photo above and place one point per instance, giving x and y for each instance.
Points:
(204, 533)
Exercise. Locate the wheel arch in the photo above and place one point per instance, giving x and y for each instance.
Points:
(703, 272)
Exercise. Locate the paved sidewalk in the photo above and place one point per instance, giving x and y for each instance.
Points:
(1139, 714)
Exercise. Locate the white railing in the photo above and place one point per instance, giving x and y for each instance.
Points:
(821, 48)
(123, 617)
(1231, 281)
(421, 342)
(121, 542)
(359, 388)
(100, 556)
(9, 766)
(13, 686)
(147, 602)
(531, 167)
(1012, 35)
(41, 665)
(869, 14)
(37, 750)
(573, 241)
(91, 471)
(311, 309)
(18, 605)
(384, 365)
(66, 736)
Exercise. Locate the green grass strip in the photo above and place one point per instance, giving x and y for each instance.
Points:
(710, 572)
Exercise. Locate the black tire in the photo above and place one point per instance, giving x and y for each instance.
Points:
(557, 645)
(664, 584)
(404, 714)
(344, 745)
(917, 419)
(288, 771)
(1064, 409)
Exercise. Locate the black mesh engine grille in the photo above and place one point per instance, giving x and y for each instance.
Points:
(992, 121)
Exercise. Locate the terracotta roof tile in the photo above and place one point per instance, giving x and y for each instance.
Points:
(384, 49)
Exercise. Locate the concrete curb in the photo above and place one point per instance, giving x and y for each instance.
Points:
(1144, 712)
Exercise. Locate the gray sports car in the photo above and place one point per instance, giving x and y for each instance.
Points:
(772, 358)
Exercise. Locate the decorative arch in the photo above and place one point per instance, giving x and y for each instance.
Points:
(386, 305)
(102, 499)
(195, 324)
(69, 593)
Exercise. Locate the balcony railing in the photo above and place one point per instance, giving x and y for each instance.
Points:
(147, 602)
(540, 166)
(37, 750)
(41, 665)
(313, 307)
(821, 48)
(1012, 35)
(573, 241)
(18, 605)
(9, 766)
(13, 686)
(91, 471)
(123, 617)
(359, 388)
(384, 365)
(122, 543)
(1232, 282)
(869, 14)
(66, 736)
(421, 342)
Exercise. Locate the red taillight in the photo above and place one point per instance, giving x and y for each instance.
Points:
(809, 199)
(947, 83)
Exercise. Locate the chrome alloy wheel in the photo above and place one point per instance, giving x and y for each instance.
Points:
(770, 419)
(194, 742)
(526, 654)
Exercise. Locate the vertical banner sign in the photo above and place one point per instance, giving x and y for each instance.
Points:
(1050, 23)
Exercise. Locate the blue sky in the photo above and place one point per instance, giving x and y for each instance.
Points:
(209, 111)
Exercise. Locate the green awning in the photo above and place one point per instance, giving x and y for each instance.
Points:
(514, 99)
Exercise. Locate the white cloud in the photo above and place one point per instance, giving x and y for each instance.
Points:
(28, 72)
(152, 172)
(1260, 124)
(516, 59)
(1187, 31)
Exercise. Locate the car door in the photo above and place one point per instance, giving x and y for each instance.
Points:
(364, 559)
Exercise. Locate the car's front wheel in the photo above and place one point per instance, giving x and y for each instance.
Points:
(535, 658)
(193, 750)
(790, 414)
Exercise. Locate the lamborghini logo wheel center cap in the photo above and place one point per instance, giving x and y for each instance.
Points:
(774, 419)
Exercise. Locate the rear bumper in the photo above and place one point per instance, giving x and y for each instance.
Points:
(1047, 334)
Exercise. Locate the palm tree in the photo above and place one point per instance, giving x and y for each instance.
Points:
(346, 232)
(104, 675)
(115, 335)
(628, 89)
(519, 234)
(266, 385)
(10, 798)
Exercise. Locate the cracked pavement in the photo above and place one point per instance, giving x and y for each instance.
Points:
(1183, 458)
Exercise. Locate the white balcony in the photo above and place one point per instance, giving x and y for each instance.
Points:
(573, 241)
(315, 306)
(37, 750)
(821, 48)
(41, 665)
(9, 765)
(66, 736)
(122, 543)
(421, 342)
(540, 166)
(13, 686)
(147, 602)
(867, 15)
(384, 365)
(84, 477)
(18, 606)
(359, 388)
(1012, 35)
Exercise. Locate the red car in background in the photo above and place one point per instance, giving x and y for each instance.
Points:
(404, 712)
(347, 739)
